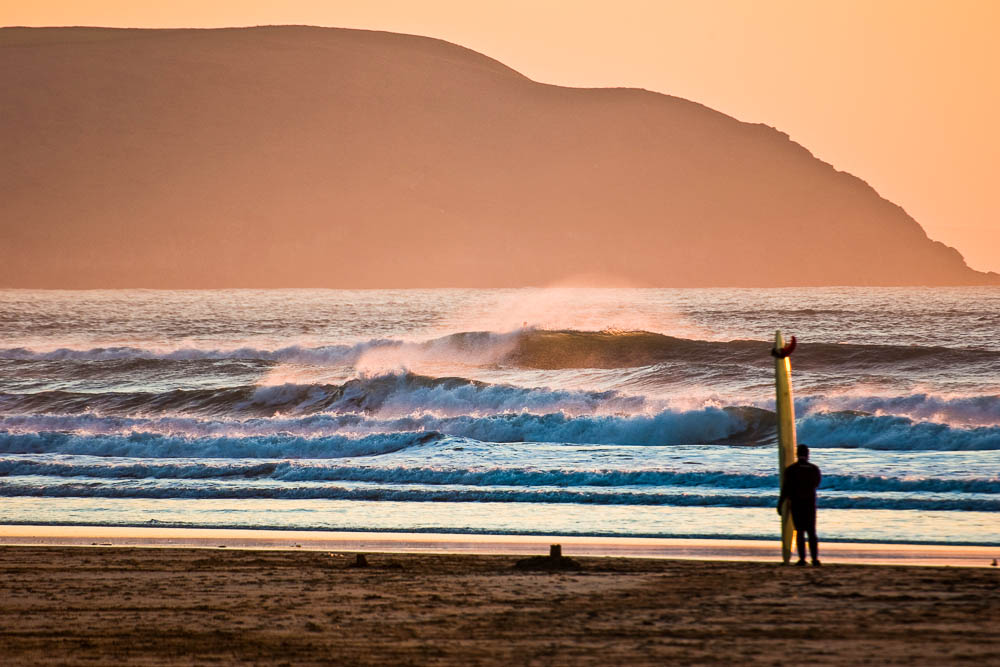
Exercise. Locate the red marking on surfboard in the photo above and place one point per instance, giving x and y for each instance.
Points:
(785, 351)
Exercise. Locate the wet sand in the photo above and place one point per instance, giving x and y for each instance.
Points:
(510, 545)
(113, 605)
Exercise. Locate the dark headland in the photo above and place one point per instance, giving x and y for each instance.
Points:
(320, 157)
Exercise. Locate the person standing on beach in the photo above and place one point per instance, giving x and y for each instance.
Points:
(801, 481)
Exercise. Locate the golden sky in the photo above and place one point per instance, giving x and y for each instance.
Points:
(904, 94)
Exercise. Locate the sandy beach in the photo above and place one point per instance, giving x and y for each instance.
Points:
(183, 605)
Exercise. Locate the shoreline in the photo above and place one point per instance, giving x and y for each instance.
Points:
(481, 544)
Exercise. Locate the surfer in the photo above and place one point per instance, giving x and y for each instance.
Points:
(800, 483)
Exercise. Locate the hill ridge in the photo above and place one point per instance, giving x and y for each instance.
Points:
(330, 157)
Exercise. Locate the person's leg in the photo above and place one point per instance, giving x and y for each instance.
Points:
(813, 540)
(800, 520)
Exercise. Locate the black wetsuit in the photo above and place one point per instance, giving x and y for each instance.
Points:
(800, 483)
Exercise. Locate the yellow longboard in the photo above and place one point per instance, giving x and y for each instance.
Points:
(786, 437)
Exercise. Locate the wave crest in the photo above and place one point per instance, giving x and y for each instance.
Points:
(538, 349)
(155, 445)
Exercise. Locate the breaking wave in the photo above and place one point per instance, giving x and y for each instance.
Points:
(893, 433)
(154, 445)
(540, 349)
(981, 410)
(483, 412)
(162, 438)
(403, 393)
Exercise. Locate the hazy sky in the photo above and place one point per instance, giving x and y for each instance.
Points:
(902, 93)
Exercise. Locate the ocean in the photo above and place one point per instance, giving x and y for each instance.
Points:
(604, 412)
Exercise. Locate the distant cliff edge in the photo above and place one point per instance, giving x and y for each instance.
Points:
(319, 157)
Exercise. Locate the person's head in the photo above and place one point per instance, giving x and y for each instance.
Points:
(802, 452)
